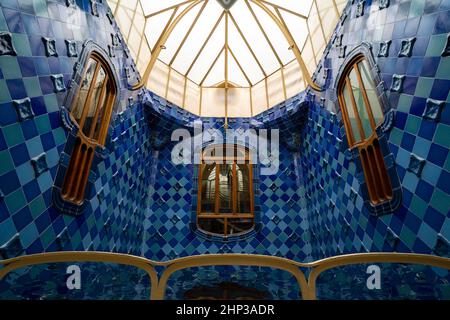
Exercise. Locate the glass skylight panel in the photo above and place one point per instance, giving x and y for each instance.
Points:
(256, 53)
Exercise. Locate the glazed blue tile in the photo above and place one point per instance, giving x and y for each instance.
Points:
(27, 66)
(438, 155)
(19, 154)
(443, 182)
(14, 21)
(17, 89)
(442, 23)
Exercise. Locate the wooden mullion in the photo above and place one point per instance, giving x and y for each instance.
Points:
(252, 204)
(199, 197)
(217, 190)
(234, 189)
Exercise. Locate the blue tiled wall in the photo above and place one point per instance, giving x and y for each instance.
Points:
(331, 205)
(33, 138)
(339, 222)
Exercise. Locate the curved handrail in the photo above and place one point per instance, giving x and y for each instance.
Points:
(231, 260)
(158, 284)
(85, 256)
(323, 265)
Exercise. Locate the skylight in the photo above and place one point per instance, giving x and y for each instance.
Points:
(224, 57)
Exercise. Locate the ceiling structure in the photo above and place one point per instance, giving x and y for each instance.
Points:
(227, 58)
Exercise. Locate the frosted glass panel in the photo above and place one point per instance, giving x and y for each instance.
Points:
(371, 92)
(209, 188)
(351, 114)
(258, 47)
(225, 188)
(77, 110)
(360, 104)
(243, 188)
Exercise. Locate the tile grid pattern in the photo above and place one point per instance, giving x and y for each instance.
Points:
(46, 41)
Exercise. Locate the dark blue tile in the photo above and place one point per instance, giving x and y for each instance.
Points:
(443, 23)
(424, 190)
(17, 89)
(427, 129)
(20, 154)
(31, 190)
(440, 89)
(14, 21)
(434, 219)
(29, 129)
(8, 114)
(444, 182)
(27, 66)
(430, 66)
(438, 155)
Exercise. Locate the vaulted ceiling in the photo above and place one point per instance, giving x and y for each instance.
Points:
(233, 58)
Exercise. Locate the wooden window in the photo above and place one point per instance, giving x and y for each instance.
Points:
(362, 114)
(91, 111)
(225, 197)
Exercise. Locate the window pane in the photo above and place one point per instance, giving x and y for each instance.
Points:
(78, 107)
(371, 92)
(351, 115)
(209, 188)
(226, 188)
(93, 104)
(216, 226)
(243, 188)
(102, 112)
(237, 226)
(360, 105)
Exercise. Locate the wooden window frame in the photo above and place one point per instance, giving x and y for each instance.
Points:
(77, 174)
(209, 160)
(375, 172)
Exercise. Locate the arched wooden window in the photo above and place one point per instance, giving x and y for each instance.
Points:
(362, 114)
(91, 111)
(225, 197)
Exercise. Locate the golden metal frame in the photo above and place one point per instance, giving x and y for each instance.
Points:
(186, 36)
(308, 286)
(192, 4)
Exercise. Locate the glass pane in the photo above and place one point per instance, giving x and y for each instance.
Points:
(397, 282)
(351, 115)
(232, 283)
(238, 226)
(216, 226)
(371, 92)
(360, 105)
(226, 188)
(93, 104)
(98, 281)
(102, 111)
(77, 110)
(243, 188)
(209, 188)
